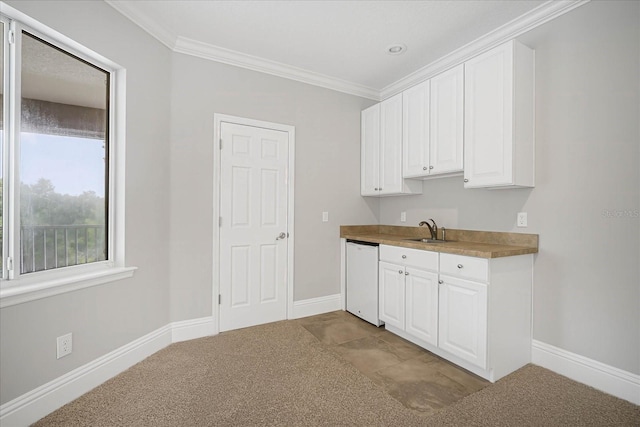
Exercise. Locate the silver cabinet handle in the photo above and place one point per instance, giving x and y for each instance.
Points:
(400, 271)
(282, 235)
(424, 168)
(460, 265)
(404, 256)
(440, 282)
(466, 180)
(430, 167)
(406, 273)
(375, 189)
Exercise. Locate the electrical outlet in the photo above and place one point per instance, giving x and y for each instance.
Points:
(325, 216)
(64, 345)
(521, 221)
(403, 217)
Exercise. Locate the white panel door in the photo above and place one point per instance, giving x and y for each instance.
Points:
(391, 181)
(391, 288)
(447, 121)
(422, 305)
(415, 131)
(488, 108)
(463, 320)
(370, 151)
(253, 229)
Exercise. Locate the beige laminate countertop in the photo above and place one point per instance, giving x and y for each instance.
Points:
(482, 244)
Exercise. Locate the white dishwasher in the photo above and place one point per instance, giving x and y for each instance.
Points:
(362, 280)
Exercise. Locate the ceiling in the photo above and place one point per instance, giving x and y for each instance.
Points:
(341, 43)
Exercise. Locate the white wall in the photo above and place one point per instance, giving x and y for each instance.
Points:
(327, 173)
(587, 276)
(109, 316)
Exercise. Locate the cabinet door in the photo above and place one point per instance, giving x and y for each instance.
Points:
(447, 121)
(415, 131)
(392, 295)
(391, 180)
(370, 151)
(463, 320)
(422, 305)
(488, 109)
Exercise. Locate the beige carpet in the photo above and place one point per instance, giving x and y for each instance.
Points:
(279, 374)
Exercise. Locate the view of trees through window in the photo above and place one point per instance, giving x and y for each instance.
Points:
(63, 159)
(62, 211)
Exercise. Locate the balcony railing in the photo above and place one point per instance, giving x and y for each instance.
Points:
(45, 247)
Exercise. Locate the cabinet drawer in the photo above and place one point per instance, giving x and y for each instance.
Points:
(465, 267)
(410, 257)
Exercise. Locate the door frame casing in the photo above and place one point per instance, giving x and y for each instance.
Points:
(290, 130)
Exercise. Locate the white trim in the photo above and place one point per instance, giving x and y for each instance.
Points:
(28, 287)
(186, 330)
(313, 306)
(520, 25)
(608, 379)
(262, 65)
(45, 399)
(530, 20)
(343, 274)
(37, 403)
(218, 119)
(18, 294)
(70, 44)
(143, 21)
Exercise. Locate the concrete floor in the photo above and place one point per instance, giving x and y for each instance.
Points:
(420, 380)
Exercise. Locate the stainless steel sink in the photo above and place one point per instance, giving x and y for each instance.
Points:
(430, 240)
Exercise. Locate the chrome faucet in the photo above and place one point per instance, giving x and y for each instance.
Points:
(433, 228)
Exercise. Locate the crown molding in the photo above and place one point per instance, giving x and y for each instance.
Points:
(534, 18)
(227, 56)
(143, 21)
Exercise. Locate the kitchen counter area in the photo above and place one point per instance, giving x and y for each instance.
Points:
(481, 244)
(466, 298)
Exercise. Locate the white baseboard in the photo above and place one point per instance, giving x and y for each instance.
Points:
(30, 407)
(608, 379)
(313, 306)
(191, 329)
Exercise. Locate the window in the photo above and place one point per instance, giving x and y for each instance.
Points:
(61, 160)
(63, 141)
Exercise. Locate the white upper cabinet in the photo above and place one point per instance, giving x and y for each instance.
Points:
(433, 126)
(370, 151)
(381, 151)
(391, 146)
(415, 130)
(447, 122)
(499, 118)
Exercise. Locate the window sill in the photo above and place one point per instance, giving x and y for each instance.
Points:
(25, 290)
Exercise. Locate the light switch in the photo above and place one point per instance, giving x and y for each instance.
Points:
(325, 216)
(403, 217)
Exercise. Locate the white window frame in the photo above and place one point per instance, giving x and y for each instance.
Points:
(14, 287)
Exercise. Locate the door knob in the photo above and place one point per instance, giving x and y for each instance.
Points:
(282, 235)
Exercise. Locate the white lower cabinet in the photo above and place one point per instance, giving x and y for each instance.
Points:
(409, 295)
(463, 319)
(474, 312)
(421, 303)
(392, 295)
